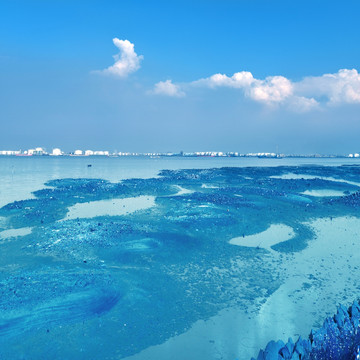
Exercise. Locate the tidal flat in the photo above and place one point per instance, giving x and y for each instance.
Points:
(197, 263)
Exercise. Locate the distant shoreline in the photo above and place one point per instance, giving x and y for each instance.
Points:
(282, 156)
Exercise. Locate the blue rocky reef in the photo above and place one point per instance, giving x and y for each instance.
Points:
(337, 339)
(117, 285)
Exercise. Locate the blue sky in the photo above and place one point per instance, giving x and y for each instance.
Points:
(172, 86)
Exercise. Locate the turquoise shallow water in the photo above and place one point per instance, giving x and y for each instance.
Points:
(20, 176)
(160, 277)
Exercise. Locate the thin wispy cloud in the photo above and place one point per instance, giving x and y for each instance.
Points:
(167, 88)
(307, 94)
(126, 61)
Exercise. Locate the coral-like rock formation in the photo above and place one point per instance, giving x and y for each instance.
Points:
(337, 339)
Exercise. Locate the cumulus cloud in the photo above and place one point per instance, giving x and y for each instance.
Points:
(342, 87)
(338, 88)
(126, 62)
(238, 80)
(301, 104)
(274, 89)
(271, 90)
(168, 88)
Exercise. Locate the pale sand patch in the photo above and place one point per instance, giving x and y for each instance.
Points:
(330, 268)
(323, 193)
(112, 207)
(15, 232)
(274, 234)
(317, 279)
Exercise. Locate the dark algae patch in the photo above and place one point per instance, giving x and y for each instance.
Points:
(110, 286)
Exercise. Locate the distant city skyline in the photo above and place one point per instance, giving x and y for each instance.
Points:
(39, 151)
(185, 75)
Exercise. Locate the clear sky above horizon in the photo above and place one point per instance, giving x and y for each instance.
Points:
(217, 75)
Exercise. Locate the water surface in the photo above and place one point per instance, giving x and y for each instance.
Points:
(210, 263)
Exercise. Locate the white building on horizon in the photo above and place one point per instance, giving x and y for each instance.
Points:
(56, 152)
(36, 151)
(10, 152)
(102, 153)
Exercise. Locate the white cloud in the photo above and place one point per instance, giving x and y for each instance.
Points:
(168, 88)
(309, 93)
(302, 104)
(337, 88)
(238, 80)
(274, 89)
(126, 62)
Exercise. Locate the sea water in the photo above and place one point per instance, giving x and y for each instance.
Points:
(159, 267)
(20, 176)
